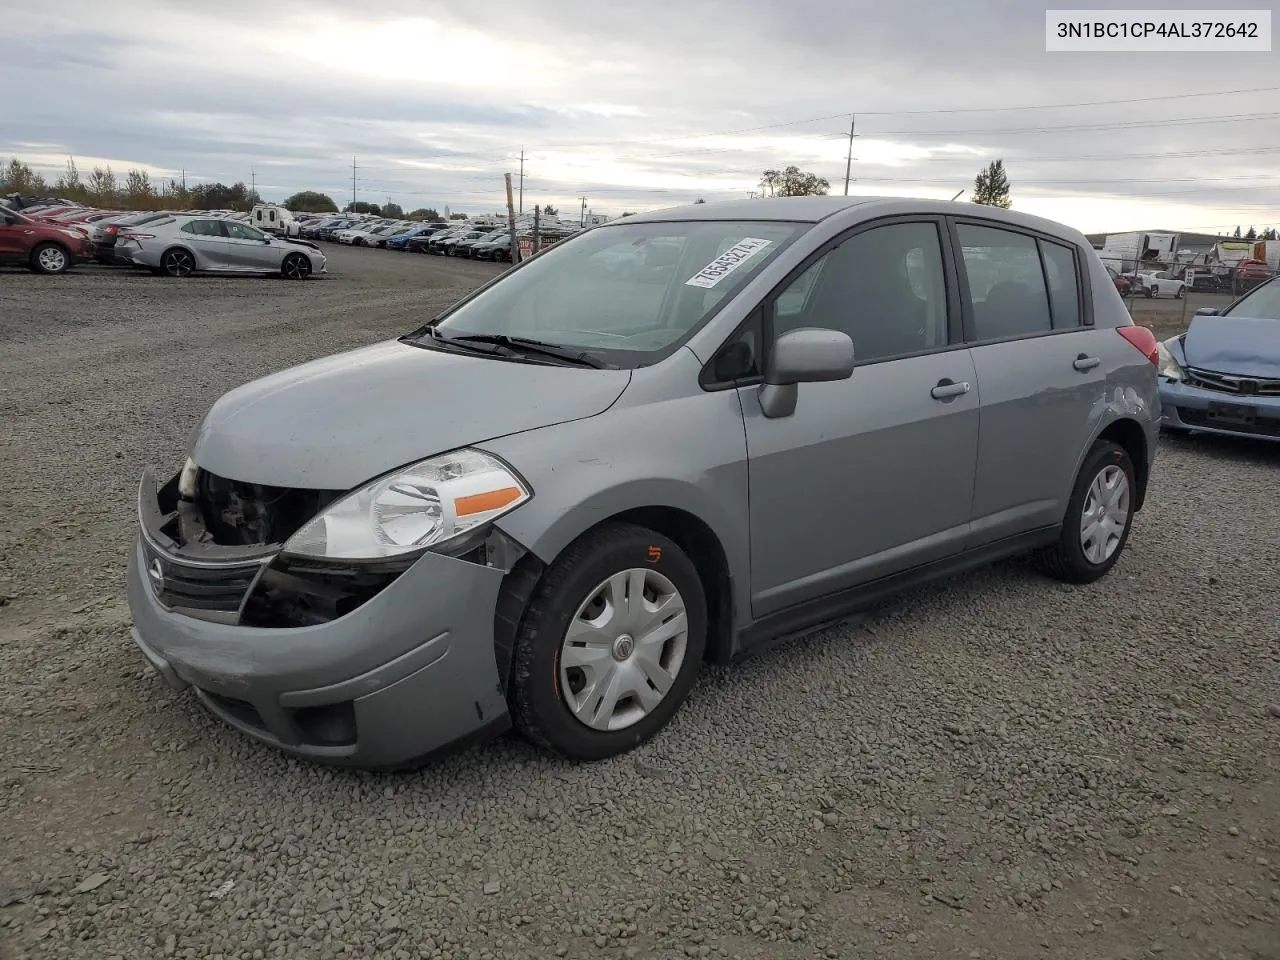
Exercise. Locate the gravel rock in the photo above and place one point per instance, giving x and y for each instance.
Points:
(987, 759)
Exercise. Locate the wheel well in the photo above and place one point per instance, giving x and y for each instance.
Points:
(703, 547)
(692, 535)
(1129, 434)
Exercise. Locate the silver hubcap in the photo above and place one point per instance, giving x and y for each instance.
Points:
(623, 649)
(179, 264)
(1105, 514)
(52, 258)
(296, 268)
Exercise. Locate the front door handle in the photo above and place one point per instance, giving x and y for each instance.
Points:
(949, 389)
(1084, 363)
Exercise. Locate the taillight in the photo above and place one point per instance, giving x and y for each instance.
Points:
(111, 231)
(139, 236)
(1144, 341)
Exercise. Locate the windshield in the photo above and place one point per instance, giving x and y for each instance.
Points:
(624, 292)
(1262, 303)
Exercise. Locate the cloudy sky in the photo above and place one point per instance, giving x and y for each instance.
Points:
(639, 105)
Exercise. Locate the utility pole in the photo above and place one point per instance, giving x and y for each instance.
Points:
(582, 217)
(184, 179)
(848, 160)
(353, 184)
(511, 223)
(522, 179)
(537, 228)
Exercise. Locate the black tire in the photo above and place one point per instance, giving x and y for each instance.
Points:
(537, 708)
(1178, 294)
(1066, 560)
(177, 263)
(296, 266)
(50, 258)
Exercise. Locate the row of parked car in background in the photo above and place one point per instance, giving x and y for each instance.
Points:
(50, 235)
(476, 238)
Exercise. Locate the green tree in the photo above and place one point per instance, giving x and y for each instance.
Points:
(699, 200)
(457, 216)
(310, 201)
(102, 187)
(1268, 234)
(991, 186)
(550, 211)
(1252, 234)
(393, 210)
(1237, 233)
(138, 191)
(18, 177)
(70, 182)
(361, 207)
(791, 181)
(425, 213)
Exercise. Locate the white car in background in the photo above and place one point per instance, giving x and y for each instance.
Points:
(1162, 284)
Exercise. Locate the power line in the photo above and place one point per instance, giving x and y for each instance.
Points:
(903, 113)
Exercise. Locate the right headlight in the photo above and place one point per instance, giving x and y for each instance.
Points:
(413, 509)
(1169, 366)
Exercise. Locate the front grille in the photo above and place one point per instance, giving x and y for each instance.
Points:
(213, 589)
(1260, 427)
(1231, 383)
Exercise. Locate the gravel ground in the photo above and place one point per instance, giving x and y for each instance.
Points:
(1000, 767)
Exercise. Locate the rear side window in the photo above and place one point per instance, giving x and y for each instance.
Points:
(1006, 283)
(1064, 284)
(204, 228)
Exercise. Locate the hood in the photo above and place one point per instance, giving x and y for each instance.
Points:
(335, 423)
(1240, 345)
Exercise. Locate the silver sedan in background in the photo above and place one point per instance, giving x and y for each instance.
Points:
(183, 245)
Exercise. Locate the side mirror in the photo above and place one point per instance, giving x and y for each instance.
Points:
(1207, 312)
(804, 355)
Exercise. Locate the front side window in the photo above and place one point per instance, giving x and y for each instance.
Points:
(624, 292)
(239, 231)
(1006, 283)
(884, 287)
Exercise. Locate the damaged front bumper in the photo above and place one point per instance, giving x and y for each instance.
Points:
(402, 674)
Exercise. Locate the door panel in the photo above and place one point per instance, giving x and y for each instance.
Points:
(868, 477)
(1038, 386)
(871, 475)
(1036, 418)
(248, 252)
(11, 245)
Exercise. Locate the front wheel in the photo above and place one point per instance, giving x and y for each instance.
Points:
(1099, 515)
(295, 267)
(49, 258)
(610, 644)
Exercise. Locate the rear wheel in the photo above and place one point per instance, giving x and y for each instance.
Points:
(50, 258)
(178, 263)
(295, 267)
(1099, 515)
(610, 644)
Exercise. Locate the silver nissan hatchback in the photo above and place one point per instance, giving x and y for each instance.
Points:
(670, 439)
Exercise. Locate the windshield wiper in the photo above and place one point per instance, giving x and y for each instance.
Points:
(526, 345)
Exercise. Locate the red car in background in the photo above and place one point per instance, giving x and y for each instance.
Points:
(43, 247)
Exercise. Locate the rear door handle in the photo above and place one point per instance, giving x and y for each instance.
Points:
(1084, 363)
(949, 389)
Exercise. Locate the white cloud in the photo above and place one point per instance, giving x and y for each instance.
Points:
(624, 103)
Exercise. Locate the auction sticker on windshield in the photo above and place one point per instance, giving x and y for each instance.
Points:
(727, 262)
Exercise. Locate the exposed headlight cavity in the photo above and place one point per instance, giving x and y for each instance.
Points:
(412, 509)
